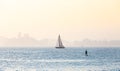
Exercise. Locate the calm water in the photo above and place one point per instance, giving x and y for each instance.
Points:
(51, 59)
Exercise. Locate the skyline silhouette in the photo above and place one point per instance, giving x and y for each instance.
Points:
(25, 40)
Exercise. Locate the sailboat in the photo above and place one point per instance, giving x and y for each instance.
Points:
(59, 43)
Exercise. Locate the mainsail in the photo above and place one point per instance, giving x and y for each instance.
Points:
(59, 43)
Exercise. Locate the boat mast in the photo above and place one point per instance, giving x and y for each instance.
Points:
(60, 42)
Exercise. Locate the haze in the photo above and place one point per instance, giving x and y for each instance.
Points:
(73, 19)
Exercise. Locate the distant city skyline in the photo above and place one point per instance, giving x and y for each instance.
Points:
(25, 40)
(27, 35)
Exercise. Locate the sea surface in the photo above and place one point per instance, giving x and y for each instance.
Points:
(52, 59)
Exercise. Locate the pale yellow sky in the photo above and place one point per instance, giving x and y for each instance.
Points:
(73, 19)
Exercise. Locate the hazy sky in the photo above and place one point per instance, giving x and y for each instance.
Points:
(73, 19)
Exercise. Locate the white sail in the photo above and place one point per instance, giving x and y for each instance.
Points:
(59, 43)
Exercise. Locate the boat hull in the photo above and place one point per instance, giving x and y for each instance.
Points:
(60, 47)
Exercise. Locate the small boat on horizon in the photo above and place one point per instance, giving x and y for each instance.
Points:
(59, 43)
